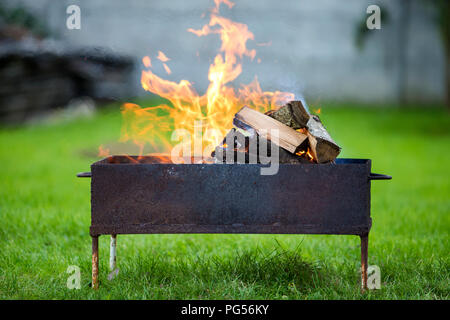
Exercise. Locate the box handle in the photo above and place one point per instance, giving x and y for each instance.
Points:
(84, 175)
(377, 176)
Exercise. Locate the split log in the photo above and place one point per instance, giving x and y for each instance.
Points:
(286, 157)
(295, 115)
(236, 148)
(254, 121)
(322, 146)
(292, 114)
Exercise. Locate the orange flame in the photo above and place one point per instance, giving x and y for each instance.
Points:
(310, 156)
(307, 153)
(162, 57)
(215, 108)
(147, 61)
(167, 68)
(103, 152)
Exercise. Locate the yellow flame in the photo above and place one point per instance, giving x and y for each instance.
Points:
(216, 107)
(103, 152)
(307, 153)
(147, 61)
(166, 67)
(162, 57)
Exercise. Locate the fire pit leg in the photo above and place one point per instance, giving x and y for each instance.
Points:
(112, 253)
(364, 254)
(95, 262)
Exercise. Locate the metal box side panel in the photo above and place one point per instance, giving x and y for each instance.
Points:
(233, 198)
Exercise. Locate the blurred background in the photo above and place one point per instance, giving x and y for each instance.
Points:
(319, 49)
(383, 96)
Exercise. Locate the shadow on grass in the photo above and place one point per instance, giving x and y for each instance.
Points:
(280, 270)
(278, 266)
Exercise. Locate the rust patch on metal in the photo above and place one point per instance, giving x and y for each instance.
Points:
(364, 257)
(133, 195)
(95, 262)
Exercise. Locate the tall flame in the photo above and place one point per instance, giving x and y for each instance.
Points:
(215, 108)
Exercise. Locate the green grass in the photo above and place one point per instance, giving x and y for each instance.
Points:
(45, 217)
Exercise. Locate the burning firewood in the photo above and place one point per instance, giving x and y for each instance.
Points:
(323, 148)
(295, 115)
(239, 151)
(302, 137)
(249, 119)
(292, 114)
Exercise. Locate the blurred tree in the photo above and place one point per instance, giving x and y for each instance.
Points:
(441, 9)
(362, 32)
(442, 20)
(21, 17)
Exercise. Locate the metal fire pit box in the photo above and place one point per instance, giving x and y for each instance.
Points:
(131, 196)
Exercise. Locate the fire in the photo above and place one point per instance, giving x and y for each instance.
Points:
(103, 152)
(307, 153)
(167, 68)
(141, 123)
(147, 61)
(215, 108)
(310, 156)
(162, 57)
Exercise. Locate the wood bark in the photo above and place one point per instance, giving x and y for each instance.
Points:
(295, 115)
(322, 146)
(288, 138)
(240, 151)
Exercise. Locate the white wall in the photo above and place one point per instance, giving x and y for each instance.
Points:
(312, 51)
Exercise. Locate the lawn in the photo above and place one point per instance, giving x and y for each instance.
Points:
(45, 215)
